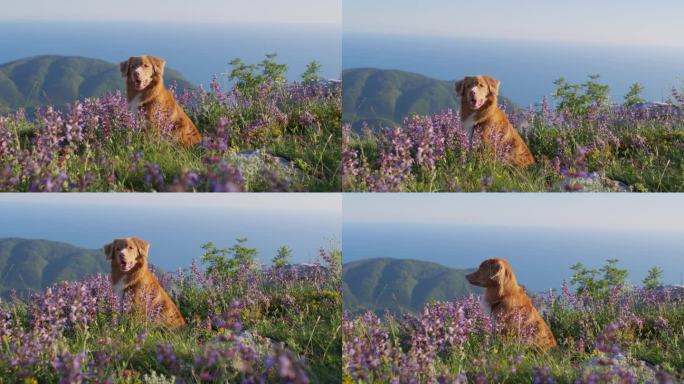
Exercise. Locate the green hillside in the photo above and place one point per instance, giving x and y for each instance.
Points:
(383, 98)
(400, 285)
(59, 80)
(31, 265)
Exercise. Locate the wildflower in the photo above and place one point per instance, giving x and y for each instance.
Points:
(69, 367)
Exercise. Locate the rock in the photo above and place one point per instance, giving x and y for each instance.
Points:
(658, 109)
(594, 182)
(675, 291)
(619, 363)
(259, 155)
(282, 173)
(262, 344)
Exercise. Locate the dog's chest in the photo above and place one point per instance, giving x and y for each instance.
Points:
(469, 127)
(118, 289)
(134, 104)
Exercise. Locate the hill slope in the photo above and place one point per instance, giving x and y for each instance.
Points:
(382, 97)
(399, 285)
(59, 80)
(31, 265)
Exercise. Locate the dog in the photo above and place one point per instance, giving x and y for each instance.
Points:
(480, 110)
(509, 303)
(145, 91)
(132, 279)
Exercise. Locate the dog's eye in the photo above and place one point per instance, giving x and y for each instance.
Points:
(480, 85)
(130, 247)
(146, 65)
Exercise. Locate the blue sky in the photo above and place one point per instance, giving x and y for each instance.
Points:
(232, 11)
(177, 225)
(637, 212)
(625, 22)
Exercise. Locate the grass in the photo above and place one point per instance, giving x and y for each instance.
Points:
(265, 135)
(245, 324)
(616, 148)
(627, 335)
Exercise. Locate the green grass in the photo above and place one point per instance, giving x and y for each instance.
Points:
(609, 339)
(246, 324)
(294, 128)
(629, 155)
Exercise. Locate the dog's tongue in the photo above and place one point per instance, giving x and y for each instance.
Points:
(140, 84)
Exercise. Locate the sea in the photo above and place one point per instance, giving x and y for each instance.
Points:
(526, 69)
(176, 234)
(541, 257)
(198, 51)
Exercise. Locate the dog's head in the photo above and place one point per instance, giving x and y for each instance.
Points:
(476, 90)
(127, 253)
(495, 273)
(142, 71)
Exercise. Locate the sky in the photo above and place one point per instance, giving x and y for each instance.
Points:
(623, 22)
(232, 11)
(268, 203)
(637, 212)
(541, 235)
(177, 225)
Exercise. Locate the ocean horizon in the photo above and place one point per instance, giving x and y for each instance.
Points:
(541, 257)
(176, 236)
(198, 51)
(526, 69)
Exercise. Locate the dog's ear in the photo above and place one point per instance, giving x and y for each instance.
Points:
(493, 84)
(157, 64)
(500, 275)
(459, 87)
(109, 250)
(142, 245)
(125, 67)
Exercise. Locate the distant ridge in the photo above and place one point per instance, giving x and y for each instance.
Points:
(31, 265)
(400, 285)
(59, 80)
(383, 98)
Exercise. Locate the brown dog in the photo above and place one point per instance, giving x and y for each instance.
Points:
(480, 110)
(145, 91)
(132, 278)
(509, 302)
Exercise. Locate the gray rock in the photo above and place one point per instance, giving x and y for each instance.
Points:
(659, 109)
(604, 363)
(254, 164)
(594, 182)
(262, 156)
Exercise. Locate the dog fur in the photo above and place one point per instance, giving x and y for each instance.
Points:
(131, 277)
(509, 303)
(480, 111)
(145, 91)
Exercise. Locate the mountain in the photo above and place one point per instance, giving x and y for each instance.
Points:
(383, 97)
(400, 285)
(31, 265)
(59, 80)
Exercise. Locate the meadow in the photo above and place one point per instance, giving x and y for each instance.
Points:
(247, 323)
(261, 134)
(607, 332)
(584, 143)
